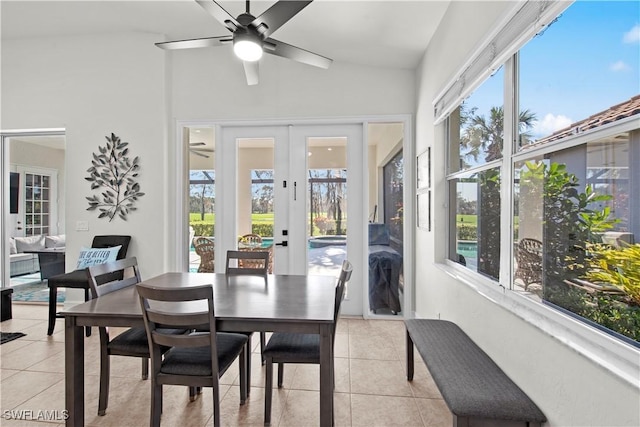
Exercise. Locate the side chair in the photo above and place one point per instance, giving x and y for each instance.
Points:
(285, 347)
(132, 342)
(253, 263)
(77, 279)
(197, 359)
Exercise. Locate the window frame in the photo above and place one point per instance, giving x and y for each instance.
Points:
(602, 348)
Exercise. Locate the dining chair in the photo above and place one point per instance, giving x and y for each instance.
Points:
(252, 263)
(197, 359)
(104, 279)
(77, 279)
(286, 347)
(206, 250)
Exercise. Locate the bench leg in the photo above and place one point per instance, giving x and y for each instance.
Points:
(460, 421)
(409, 357)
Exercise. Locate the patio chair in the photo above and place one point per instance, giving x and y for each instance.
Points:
(284, 347)
(250, 241)
(197, 359)
(77, 279)
(205, 248)
(529, 259)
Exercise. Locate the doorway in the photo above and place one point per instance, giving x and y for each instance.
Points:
(312, 187)
(33, 170)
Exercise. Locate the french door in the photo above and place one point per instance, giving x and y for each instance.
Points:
(301, 188)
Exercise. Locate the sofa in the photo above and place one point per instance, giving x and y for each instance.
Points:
(21, 262)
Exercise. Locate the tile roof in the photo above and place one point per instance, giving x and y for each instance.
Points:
(617, 112)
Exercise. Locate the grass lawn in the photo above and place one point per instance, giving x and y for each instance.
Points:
(266, 218)
(467, 219)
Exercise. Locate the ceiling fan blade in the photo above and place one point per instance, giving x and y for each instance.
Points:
(195, 43)
(251, 71)
(204, 150)
(221, 15)
(278, 14)
(284, 50)
(199, 154)
(194, 144)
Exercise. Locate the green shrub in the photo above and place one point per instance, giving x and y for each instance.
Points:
(263, 229)
(468, 232)
(202, 228)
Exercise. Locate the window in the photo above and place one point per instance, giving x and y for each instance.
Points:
(574, 168)
(262, 202)
(476, 135)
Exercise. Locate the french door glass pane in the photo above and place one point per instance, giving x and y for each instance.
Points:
(327, 204)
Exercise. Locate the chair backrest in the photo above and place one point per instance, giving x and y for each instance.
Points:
(111, 241)
(379, 234)
(254, 263)
(529, 251)
(250, 240)
(160, 316)
(345, 276)
(102, 279)
(206, 249)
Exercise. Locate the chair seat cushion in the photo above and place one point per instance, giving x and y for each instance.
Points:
(73, 279)
(133, 342)
(197, 360)
(293, 347)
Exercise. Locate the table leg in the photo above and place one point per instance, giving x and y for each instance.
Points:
(409, 357)
(53, 297)
(326, 377)
(74, 372)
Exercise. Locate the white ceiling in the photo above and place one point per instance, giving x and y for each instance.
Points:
(369, 32)
(379, 33)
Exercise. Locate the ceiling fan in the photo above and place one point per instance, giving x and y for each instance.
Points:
(200, 151)
(250, 36)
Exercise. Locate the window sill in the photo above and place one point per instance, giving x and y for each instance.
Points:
(617, 357)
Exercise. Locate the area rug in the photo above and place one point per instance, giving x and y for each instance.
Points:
(10, 336)
(35, 292)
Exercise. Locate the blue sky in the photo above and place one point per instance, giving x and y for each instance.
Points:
(585, 62)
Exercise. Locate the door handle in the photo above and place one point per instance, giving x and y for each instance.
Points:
(284, 243)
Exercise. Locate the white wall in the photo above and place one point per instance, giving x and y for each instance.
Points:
(95, 85)
(569, 388)
(92, 86)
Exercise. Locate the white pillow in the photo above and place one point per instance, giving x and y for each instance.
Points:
(12, 246)
(55, 241)
(95, 256)
(31, 243)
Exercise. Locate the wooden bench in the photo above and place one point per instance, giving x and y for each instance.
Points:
(472, 385)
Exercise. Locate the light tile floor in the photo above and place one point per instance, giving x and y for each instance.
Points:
(371, 386)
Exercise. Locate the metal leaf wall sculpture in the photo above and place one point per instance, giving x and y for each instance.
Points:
(113, 173)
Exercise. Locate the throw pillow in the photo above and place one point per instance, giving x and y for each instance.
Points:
(55, 241)
(12, 246)
(31, 243)
(95, 256)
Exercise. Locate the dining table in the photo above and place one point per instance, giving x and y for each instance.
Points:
(281, 303)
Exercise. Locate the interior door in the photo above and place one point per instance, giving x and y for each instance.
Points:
(300, 187)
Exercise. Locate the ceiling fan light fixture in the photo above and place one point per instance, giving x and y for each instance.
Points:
(247, 47)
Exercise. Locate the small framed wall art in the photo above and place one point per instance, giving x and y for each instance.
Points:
(424, 169)
(423, 205)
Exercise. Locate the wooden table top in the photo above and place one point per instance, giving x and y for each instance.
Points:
(282, 298)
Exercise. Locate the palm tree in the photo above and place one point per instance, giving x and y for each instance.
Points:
(481, 135)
